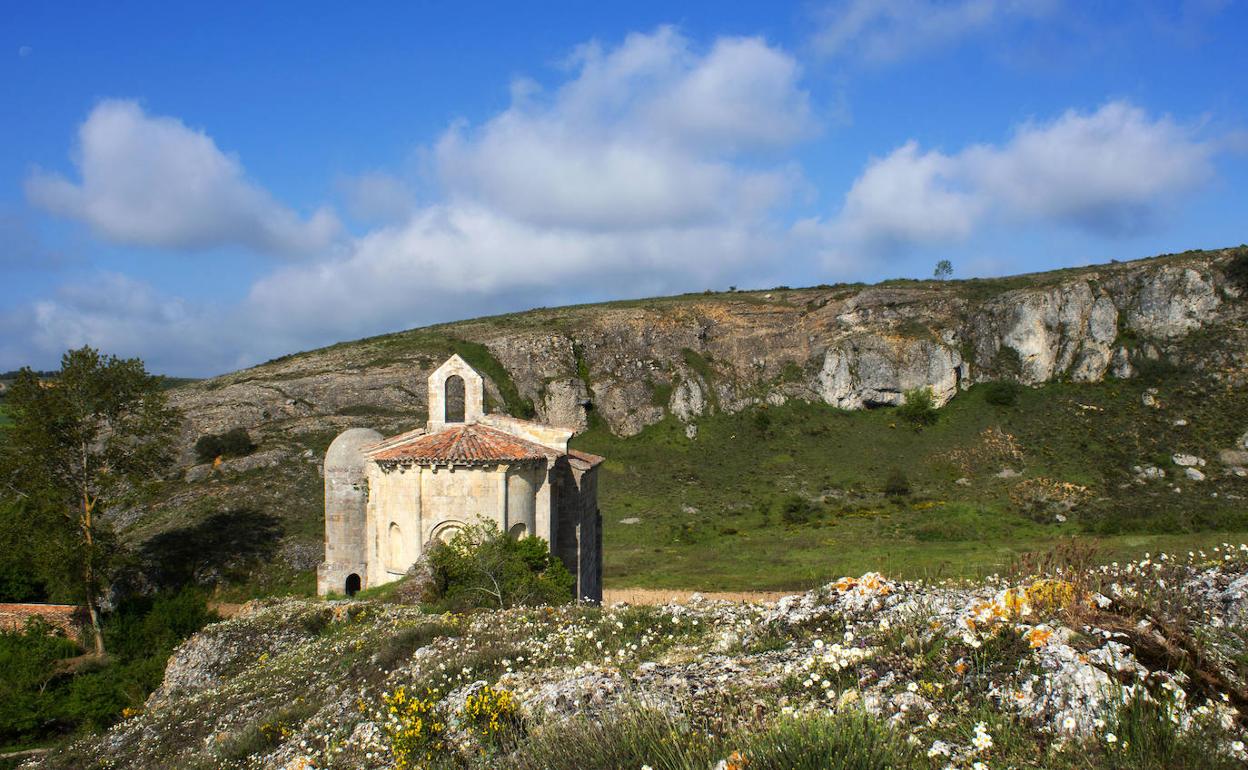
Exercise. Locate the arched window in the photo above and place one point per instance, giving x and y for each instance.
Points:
(396, 548)
(443, 533)
(517, 531)
(454, 393)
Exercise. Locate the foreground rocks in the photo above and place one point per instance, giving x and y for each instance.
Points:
(1054, 657)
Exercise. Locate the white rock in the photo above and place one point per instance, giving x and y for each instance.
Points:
(630, 520)
(1194, 474)
(1187, 461)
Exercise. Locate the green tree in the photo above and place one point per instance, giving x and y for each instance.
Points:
(484, 567)
(944, 269)
(82, 443)
(919, 408)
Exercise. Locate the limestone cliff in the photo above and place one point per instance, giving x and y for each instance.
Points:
(630, 364)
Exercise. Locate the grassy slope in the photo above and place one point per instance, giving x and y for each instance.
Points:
(737, 469)
(734, 469)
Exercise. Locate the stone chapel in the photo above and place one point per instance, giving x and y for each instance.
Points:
(387, 499)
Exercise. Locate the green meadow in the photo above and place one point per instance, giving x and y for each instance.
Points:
(786, 497)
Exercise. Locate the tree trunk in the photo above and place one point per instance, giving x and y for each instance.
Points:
(95, 626)
(88, 571)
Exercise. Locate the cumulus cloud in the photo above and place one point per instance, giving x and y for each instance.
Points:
(1109, 172)
(650, 168)
(377, 197)
(888, 30)
(650, 133)
(152, 181)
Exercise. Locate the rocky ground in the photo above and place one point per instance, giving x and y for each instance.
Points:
(1139, 664)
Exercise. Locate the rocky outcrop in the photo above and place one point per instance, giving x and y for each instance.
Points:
(633, 364)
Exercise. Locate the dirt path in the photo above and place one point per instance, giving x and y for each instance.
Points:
(663, 596)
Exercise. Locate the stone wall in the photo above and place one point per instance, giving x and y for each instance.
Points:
(67, 617)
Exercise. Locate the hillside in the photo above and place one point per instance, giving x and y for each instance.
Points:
(749, 421)
(1139, 665)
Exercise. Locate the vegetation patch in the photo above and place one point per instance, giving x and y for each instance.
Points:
(480, 358)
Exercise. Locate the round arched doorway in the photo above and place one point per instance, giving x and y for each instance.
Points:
(353, 584)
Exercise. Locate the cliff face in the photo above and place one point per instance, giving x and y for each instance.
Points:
(633, 363)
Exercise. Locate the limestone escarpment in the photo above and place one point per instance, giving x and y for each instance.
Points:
(632, 364)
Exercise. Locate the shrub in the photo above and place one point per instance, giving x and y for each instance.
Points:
(27, 664)
(484, 567)
(624, 738)
(857, 741)
(1237, 269)
(897, 485)
(493, 715)
(919, 408)
(795, 509)
(39, 698)
(1004, 393)
(416, 729)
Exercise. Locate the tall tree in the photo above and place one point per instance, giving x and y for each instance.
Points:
(944, 269)
(81, 443)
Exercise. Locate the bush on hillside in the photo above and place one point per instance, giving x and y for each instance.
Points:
(897, 485)
(1237, 269)
(235, 442)
(795, 509)
(484, 567)
(919, 408)
(1003, 393)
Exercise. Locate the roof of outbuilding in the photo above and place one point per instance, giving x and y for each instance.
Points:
(463, 444)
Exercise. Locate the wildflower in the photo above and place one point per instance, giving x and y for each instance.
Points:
(982, 740)
(1111, 738)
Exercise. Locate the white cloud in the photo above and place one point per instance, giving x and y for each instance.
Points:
(1110, 172)
(377, 197)
(910, 196)
(152, 181)
(1105, 171)
(650, 133)
(650, 169)
(888, 30)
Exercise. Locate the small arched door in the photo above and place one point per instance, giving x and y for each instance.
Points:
(353, 584)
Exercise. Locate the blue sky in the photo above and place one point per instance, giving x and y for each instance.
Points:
(211, 187)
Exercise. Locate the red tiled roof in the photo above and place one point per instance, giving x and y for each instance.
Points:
(464, 444)
(586, 457)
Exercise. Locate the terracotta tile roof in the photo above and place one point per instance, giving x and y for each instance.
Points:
(463, 444)
(586, 457)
